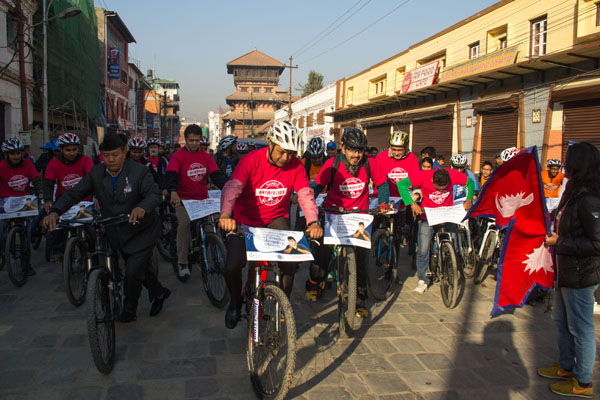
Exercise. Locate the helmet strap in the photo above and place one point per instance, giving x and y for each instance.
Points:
(270, 149)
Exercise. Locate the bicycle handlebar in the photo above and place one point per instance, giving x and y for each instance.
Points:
(119, 219)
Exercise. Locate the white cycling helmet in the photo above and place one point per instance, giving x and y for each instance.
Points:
(458, 160)
(509, 153)
(284, 134)
(399, 138)
(554, 162)
(136, 142)
(12, 144)
(316, 147)
(227, 141)
(67, 139)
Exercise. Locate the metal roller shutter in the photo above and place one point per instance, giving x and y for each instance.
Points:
(581, 123)
(499, 131)
(379, 136)
(434, 132)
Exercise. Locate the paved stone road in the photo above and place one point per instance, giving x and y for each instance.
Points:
(412, 347)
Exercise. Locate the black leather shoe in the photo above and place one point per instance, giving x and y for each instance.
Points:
(127, 316)
(232, 317)
(157, 304)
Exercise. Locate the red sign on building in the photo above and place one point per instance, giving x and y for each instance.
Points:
(420, 77)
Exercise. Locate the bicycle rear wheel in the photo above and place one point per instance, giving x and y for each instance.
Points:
(271, 352)
(448, 275)
(100, 321)
(486, 257)
(213, 271)
(17, 257)
(382, 269)
(346, 291)
(75, 271)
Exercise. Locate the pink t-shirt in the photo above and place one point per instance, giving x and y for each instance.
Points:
(14, 182)
(192, 173)
(267, 188)
(396, 170)
(348, 191)
(66, 176)
(433, 198)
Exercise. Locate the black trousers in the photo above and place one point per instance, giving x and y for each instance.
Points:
(236, 260)
(139, 272)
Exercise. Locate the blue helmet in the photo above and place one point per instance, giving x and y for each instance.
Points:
(47, 146)
(331, 146)
(55, 145)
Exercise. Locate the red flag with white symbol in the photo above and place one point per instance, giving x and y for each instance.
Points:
(514, 197)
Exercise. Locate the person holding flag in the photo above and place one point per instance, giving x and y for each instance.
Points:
(576, 242)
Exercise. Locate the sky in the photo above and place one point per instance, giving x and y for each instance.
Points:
(190, 41)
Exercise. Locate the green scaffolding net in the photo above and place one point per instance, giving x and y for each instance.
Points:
(74, 75)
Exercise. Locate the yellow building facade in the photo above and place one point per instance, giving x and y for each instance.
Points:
(519, 73)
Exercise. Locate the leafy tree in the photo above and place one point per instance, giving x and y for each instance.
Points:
(314, 83)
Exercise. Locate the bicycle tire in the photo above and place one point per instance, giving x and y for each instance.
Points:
(36, 237)
(382, 269)
(468, 261)
(346, 291)
(166, 240)
(272, 344)
(47, 247)
(213, 271)
(17, 259)
(75, 271)
(486, 257)
(98, 302)
(448, 275)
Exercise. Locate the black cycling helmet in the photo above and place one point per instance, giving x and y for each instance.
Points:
(354, 138)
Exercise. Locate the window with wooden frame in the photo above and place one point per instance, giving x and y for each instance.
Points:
(309, 120)
(539, 34)
(399, 77)
(377, 86)
(350, 96)
(597, 14)
(497, 39)
(474, 50)
(321, 117)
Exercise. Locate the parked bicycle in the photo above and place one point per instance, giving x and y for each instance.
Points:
(271, 341)
(443, 267)
(208, 253)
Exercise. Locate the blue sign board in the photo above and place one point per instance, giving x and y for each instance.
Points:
(150, 122)
(114, 63)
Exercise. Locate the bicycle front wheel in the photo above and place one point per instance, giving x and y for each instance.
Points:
(382, 269)
(448, 275)
(346, 291)
(17, 257)
(486, 257)
(468, 257)
(213, 271)
(166, 240)
(75, 271)
(100, 321)
(271, 352)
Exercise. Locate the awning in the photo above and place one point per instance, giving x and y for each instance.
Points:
(591, 91)
(411, 115)
(497, 102)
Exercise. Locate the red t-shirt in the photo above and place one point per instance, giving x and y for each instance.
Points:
(267, 188)
(396, 170)
(154, 161)
(192, 173)
(432, 198)
(14, 182)
(348, 191)
(66, 176)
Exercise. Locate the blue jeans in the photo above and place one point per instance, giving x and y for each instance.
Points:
(573, 314)
(424, 240)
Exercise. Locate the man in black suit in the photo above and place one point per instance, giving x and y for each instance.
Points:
(123, 186)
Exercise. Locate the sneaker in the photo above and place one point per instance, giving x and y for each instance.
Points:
(597, 308)
(555, 371)
(184, 271)
(421, 287)
(572, 388)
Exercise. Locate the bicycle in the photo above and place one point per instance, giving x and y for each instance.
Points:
(466, 251)
(168, 232)
(104, 295)
(384, 251)
(489, 243)
(207, 251)
(344, 259)
(17, 251)
(442, 265)
(271, 341)
(76, 260)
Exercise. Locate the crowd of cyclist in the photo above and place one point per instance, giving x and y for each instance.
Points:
(258, 188)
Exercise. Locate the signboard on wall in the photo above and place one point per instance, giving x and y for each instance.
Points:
(316, 131)
(488, 62)
(420, 77)
(114, 63)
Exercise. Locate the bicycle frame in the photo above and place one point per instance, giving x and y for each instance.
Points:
(440, 236)
(491, 226)
(261, 279)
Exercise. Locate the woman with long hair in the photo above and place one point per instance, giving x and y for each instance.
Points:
(577, 246)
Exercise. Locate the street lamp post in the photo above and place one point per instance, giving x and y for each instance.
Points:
(66, 13)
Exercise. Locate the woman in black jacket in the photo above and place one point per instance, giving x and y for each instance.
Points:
(577, 246)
